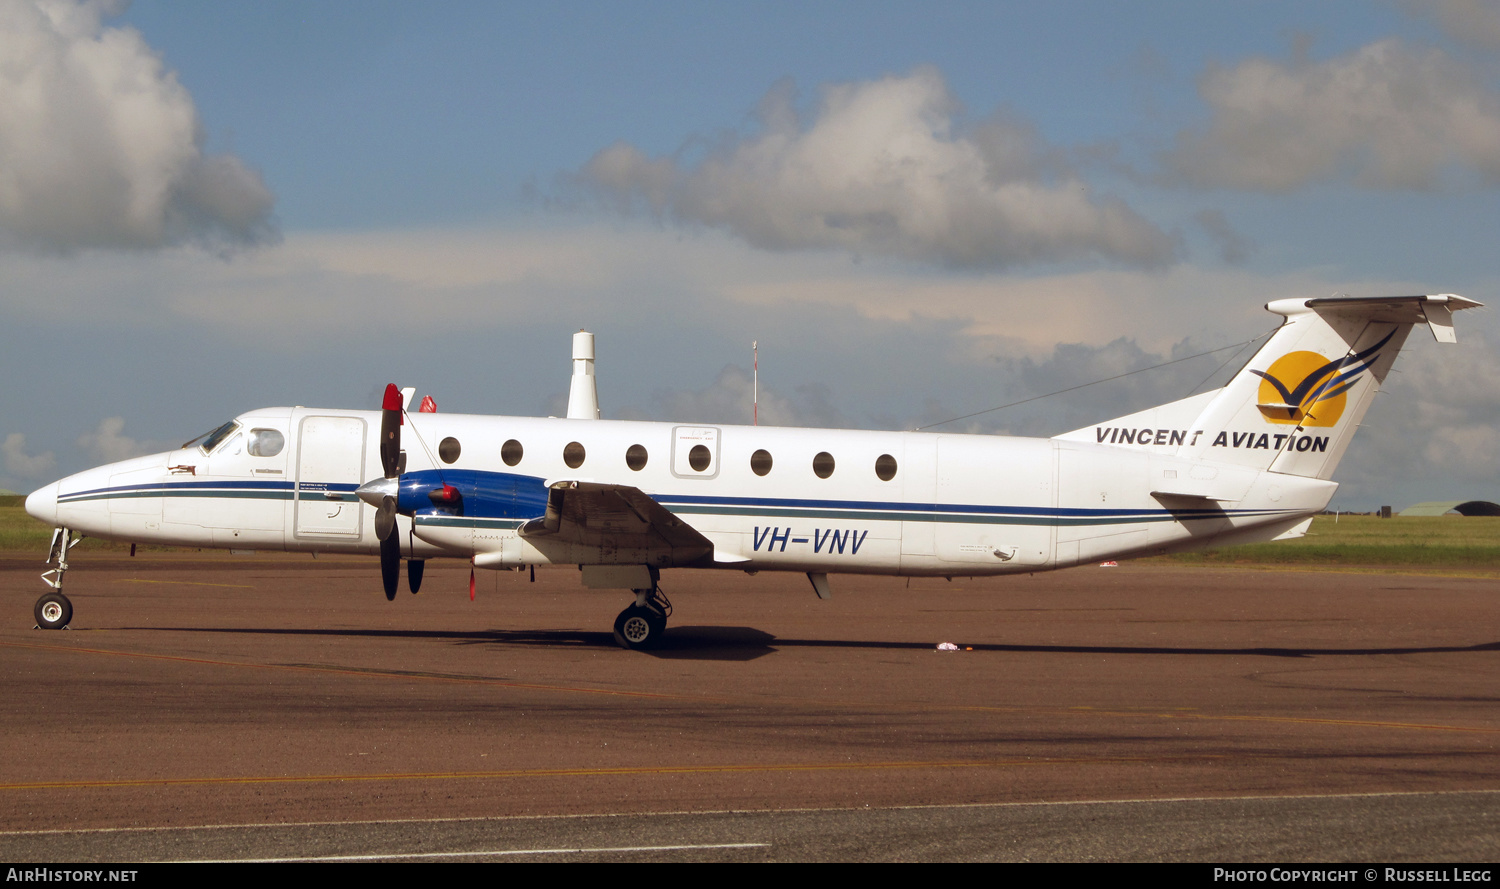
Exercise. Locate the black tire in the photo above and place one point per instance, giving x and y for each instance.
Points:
(639, 629)
(53, 611)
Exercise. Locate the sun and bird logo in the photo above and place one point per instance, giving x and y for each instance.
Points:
(1306, 389)
(1301, 389)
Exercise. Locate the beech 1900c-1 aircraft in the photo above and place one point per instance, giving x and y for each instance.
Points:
(624, 500)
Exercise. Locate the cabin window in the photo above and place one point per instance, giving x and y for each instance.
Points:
(699, 458)
(573, 455)
(760, 462)
(511, 452)
(266, 442)
(885, 467)
(635, 457)
(449, 449)
(823, 464)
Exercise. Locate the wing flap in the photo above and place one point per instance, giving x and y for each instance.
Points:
(614, 517)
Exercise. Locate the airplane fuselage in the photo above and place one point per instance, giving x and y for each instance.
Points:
(767, 498)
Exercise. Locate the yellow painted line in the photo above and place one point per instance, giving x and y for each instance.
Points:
(238, 586)
(1226, 717)
(1437, 571)
(1432, 727)
(623, 771)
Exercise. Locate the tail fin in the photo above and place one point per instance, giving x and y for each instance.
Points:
(1294, 407)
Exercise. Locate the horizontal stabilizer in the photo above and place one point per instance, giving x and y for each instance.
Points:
(1435, 310)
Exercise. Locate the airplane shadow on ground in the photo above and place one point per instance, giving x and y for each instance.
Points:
(681, 643)
(748, 643)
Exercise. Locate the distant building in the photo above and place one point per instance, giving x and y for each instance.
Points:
(1444, 507)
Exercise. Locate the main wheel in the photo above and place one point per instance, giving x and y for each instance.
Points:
(53, 611)
(639, 628)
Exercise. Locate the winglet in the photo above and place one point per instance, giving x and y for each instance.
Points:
(1440, 322)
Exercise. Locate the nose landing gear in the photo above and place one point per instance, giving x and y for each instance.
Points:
(53, 611)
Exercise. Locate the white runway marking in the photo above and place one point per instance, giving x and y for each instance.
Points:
(1037, 804)
(494, 853)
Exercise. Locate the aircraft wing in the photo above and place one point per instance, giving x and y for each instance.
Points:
(613, 517)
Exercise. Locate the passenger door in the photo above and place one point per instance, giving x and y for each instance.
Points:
(330, 465)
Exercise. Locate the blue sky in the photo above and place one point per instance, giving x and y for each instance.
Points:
(919, 210)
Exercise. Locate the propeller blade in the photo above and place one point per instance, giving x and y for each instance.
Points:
(471, 584)
(414, 569)
(381, 493)
(385, 519)
(390, 431)
(390, 564)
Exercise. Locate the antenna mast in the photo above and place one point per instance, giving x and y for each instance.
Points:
(755, 390)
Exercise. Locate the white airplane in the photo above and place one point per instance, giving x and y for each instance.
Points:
(623, 500)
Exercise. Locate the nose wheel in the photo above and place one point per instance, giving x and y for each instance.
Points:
(53, 611)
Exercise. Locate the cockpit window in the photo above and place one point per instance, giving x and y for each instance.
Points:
(216, 437)
(266, 442)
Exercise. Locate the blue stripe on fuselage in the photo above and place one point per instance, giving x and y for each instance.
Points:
(504, 495)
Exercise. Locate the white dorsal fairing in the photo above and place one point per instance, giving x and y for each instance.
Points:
(1294, 407)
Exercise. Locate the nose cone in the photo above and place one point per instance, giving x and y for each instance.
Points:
(42, 504)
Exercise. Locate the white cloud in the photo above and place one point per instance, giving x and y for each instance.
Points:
(1387, 115)
(880, 170)
(731, 398)
(498, 277)
(1475, 22)
(1434, 431)
(19, 463)
(108, 444)
(1451, 393)
(100, 145)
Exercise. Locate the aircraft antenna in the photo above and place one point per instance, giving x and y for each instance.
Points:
(755, 384)
(1106, 380)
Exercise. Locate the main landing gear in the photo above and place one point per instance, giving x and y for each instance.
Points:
(640, 627)
(53, 611)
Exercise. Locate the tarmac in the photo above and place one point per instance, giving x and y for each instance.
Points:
(269, 707)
